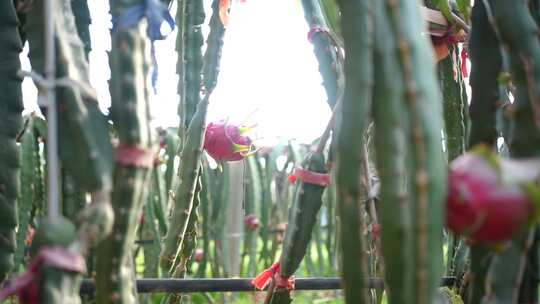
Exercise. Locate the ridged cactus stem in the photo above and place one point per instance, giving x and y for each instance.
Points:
(192, 41)
(394, 201)
(82, 21)
(214, 43)
(129, 108)
(150, 231)
(302, 219)
(11, 123)
(453, 103)
(427, 181)
(253, 207)
(356, 25)
(83, 131)
(190, 237)
(519, 36)
(190, 160)
(324, 48)
(180, 265)
(486, 64)
(206, 203)
(28, 195)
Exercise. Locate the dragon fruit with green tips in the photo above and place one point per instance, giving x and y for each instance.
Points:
(227, 142)
(491, 199)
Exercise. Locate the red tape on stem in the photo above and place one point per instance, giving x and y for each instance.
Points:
(27, 286)
(310, 177)
(130, 155)
(264, 278)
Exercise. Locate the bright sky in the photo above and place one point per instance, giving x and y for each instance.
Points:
(268, 69)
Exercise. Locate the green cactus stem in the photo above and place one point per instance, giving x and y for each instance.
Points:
(518, 34)
(390, 146)
(220, 204)
(486, 64)
(481, 258)
(356, 24)
(214, 43)
(56, 285)
(206, 204)
(82, 21)
(190, 237)
(506, 271)
(183, 199)
(150, 231)
(10, 125)
(83, 130)
(519, 39)
(171, 147)
(86, 151)
(130, 114)
(425, 160)
(28, 195)
(453, 104)
(253, 203)
(325, 49)
(192, 18)
(302, 219)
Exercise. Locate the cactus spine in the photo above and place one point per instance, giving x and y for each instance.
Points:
(10, 125)
(130, 114)
(356, 25)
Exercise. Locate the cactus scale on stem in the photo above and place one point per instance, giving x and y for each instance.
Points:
(10, 125)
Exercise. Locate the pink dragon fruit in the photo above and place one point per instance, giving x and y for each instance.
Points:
(225, 142)
(481, 204)
(198, 255)
(252, 222)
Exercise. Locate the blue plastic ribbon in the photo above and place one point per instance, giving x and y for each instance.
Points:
(156, 13)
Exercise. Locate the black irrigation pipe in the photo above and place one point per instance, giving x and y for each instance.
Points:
(237, 285)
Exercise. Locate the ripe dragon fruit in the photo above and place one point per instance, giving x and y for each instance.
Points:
(226, 142)
(252, 222)
(490, 199)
